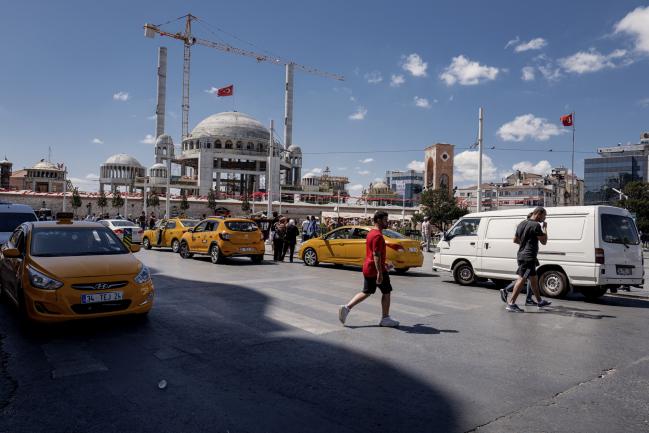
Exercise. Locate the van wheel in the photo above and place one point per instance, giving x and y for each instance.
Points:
(553, 284)
(215, 254)
(146, 243)
(463, 273)
(184, 251)
(175, 246)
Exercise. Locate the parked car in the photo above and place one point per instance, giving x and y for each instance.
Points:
(63, 270)
(167, 233)
(118, 226)
(221, 238)
(589, 249)
(13, 215)
(346, 246)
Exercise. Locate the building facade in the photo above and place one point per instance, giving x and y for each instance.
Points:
(438, 166)
(120, 170)
(613, 169)
(407, 184)
(5, 173)
(44, 176)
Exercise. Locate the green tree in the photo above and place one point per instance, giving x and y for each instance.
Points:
(153, 201)
(117, 200)
(184, 204)
(76, 200)
(102, 202)
(440, 206)
(211, 199)
(637, 201)
(245, 204)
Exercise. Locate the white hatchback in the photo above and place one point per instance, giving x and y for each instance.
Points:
(118, 226)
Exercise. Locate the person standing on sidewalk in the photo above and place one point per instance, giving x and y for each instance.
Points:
(528, 235)
(290, 240)
(426, 230)
(305, 228)
(279, 236)
(375, 273)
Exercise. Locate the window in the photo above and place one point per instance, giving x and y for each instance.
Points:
(9, 221)
(359, 234)
(228, 144)
(217, 144)
(251, 145)
(211, 226)
(170, 225)
(239, 144)
(443, 181)
(241, 226)
(339, 234)
(189, 223)
(618, 229)
(465, 227)
(392, 234)
(17, 240)
(201, 227)
(73, 241)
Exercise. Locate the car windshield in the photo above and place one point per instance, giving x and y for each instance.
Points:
(618, 229)
(392, 234)
(189, 223)
(123, 223)
(10, 221)
(75, 241)
(241, 226)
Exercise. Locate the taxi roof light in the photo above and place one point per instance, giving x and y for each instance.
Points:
(64, 217)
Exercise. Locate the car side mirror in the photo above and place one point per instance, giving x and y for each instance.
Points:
(446, 237)
(11, 253)
(135, 248)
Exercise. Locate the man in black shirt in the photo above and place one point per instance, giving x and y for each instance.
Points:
(528, 235)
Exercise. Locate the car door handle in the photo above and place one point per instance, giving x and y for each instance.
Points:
(486, 245)
(472, 243)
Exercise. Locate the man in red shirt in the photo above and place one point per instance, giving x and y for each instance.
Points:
(375, 273)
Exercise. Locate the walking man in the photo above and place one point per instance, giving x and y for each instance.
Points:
(426, 232)
(305, 228)
(375, 273)
(528, 235)
(290, 240)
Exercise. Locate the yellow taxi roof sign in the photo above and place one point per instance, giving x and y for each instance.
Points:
(64, 217)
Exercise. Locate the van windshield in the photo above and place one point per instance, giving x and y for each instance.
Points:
(618, 229)
(9, 221)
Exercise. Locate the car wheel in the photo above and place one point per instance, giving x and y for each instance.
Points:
(184, 251)
(401, 271)
(258, 258)
(175, 245)
(463, 273)
(553, 283)
(593, 293)
(215, 254)
(310, 257)
(146, 243)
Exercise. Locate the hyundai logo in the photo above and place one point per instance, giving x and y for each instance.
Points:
(102, 286)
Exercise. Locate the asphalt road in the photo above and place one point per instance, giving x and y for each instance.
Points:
(258, 348)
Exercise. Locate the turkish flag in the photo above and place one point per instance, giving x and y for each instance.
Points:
(226, 91)
(567, 120)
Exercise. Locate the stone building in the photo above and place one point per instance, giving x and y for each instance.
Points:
(5, 173)
(44, 176)
(380, 194)
(120, 170)
(438, 166)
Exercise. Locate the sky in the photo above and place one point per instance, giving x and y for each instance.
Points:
(80, 77)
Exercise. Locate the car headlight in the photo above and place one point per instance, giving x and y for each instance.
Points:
(42, 281)
(143, 276)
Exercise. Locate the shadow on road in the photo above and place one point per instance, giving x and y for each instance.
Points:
(414, 329)
(229, 367)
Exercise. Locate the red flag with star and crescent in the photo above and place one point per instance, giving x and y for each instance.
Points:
(225, 91)
(567, 120)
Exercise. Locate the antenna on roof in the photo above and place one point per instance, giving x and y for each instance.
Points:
(49, 153)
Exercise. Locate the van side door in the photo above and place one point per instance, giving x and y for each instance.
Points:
(462, 242)
(498, 248)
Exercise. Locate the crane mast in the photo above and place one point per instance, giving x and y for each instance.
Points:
(188, 40)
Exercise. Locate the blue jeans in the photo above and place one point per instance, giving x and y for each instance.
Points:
(528, 289)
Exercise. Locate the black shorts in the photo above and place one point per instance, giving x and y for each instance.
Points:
(370, 285)
(527, 268)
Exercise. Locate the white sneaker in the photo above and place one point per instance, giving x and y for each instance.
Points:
(343, 311)
(389, 322)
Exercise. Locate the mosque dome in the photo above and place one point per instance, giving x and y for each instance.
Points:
(45, 165)
(158, 166)
(231, 124)
(123, 159)
(294, 149)
(378, 186)
(164, 140)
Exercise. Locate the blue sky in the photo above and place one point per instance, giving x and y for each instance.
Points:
(416, 73)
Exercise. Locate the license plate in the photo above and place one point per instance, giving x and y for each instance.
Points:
(246, 249)
(101, 297)
(413, 249)
(624, 271)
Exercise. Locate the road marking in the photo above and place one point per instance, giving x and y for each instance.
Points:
(297, 320)
(67, 359)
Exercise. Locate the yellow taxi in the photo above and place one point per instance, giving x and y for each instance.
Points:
(167, 233)
(62, 270)
(346, 246)
(221, 237)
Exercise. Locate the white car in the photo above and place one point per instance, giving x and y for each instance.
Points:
(118, 226)
(590, 249)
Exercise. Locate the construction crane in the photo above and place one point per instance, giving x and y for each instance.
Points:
(189, 40)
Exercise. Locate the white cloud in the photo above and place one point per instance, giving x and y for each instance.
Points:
(466, 167)
(542, 167)
(373, 77)
(416, 165)
(341, 168)
(528, 126)
(148, 139)
(451, 98)
(636, 24)
(467, 72)
(364, 172)
(87, 183)
(512, 42)
(421, 102)
(414, 64)
(534, 44)
(396, 80)
(92, 176)
(378, 179)
(97, 141)
(212, 90)
(644, 102)
(316, 170)
(121, 96)
(366, 160)
(152, 117)
(352, 99)
(584, 62)
(356, 189)
(527, 73)
(359, 114)
(550, 72)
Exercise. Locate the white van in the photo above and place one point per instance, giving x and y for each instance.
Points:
(589, 249)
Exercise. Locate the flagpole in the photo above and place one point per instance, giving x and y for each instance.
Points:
(573, 159)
